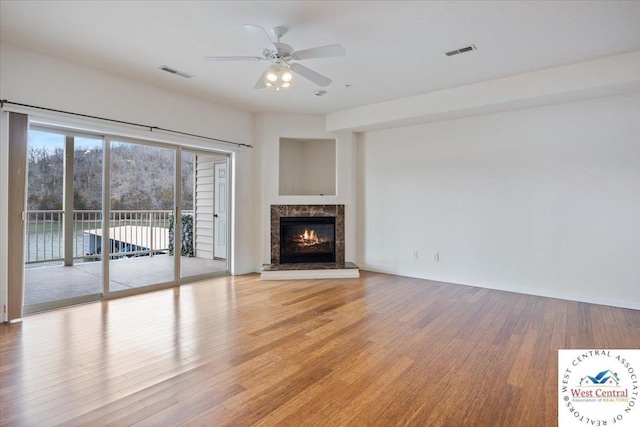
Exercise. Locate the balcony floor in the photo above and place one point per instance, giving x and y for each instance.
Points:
(53, 283)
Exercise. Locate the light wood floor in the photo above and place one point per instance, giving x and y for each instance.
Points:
(380, 350)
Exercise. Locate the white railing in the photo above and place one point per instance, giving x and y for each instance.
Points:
(131, 233)
(84, 243)
(44, 236)
(139, 232)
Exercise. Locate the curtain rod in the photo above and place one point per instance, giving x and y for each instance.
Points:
(151, 128)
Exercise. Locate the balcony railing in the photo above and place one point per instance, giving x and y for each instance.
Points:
(44, 236)
(131, 233)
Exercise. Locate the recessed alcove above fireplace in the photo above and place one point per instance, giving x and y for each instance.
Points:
(307, 167)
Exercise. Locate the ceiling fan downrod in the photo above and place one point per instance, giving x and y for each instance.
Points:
(278, 32)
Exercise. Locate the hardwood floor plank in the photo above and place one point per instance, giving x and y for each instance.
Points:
(626, 323)
(121, 418)
(358, 410)
(378, 350)
(520, 367)
(185, 409)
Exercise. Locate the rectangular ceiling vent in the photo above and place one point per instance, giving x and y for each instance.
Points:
(174, 71)
(461, 50)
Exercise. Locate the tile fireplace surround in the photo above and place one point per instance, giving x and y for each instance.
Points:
(278, 211)
(339, 269)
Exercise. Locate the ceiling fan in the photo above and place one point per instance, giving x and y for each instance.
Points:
(278, 74)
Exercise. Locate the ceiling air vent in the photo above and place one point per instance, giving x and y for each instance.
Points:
(461, 50)
(174, 71)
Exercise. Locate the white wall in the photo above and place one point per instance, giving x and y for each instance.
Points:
(30, 77)
(543, 201)
(269, 128)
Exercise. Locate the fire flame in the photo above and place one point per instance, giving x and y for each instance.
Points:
(309, 236)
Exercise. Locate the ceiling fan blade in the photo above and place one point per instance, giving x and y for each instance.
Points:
(261, 35)
(232, 58)
(260, 84)
(309, 74)
(319, 52)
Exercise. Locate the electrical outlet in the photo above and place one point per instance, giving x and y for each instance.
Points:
(415, 254)
(436, 256)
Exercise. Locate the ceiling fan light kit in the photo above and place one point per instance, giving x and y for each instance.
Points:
(279, 76)
(279, 73)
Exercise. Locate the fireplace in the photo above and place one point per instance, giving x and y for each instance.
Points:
(328, 223)
(307, 242)
(307, 239)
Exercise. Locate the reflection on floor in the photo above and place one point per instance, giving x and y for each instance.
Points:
(45, 284)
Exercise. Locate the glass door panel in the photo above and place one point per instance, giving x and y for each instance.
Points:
(141, 198)
(201, 232)
(64, 206)
(86, 195)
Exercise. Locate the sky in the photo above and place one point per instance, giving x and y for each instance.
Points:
(39, 139)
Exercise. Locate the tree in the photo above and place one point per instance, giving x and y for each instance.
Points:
(141, 177)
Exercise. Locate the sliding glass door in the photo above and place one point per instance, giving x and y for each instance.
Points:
(110, 216)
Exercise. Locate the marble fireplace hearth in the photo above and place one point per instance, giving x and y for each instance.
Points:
(314, 270)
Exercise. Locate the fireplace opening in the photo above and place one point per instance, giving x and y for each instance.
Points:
(307, 239)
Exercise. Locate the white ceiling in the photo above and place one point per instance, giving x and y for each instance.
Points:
(394, 48)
